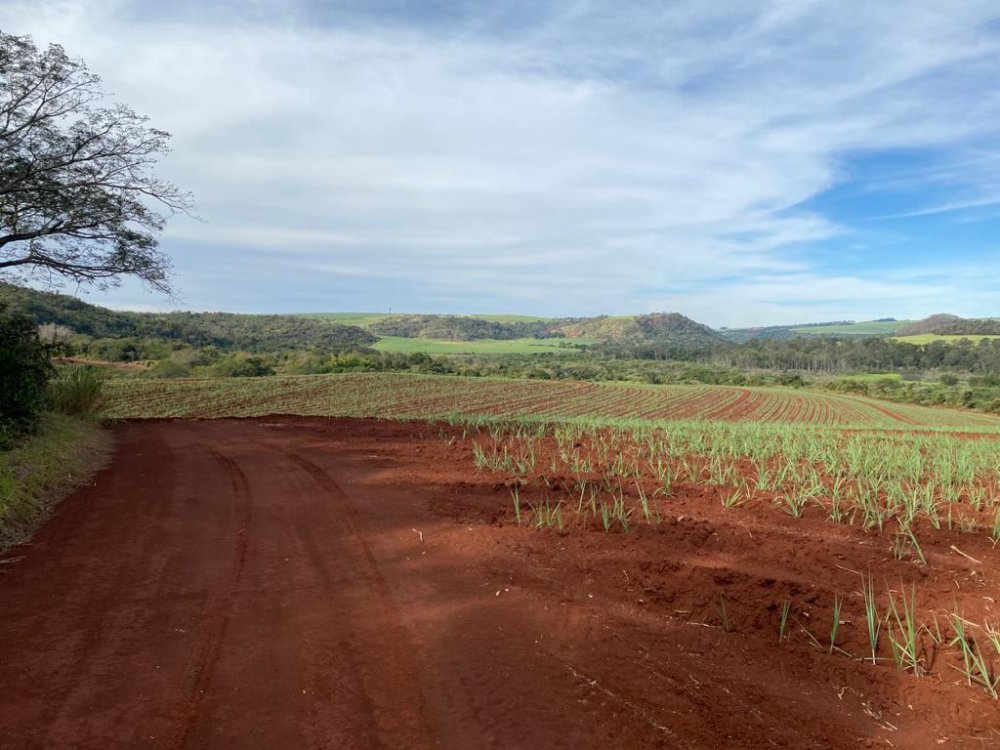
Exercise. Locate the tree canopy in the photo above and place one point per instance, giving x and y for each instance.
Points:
(78, 195)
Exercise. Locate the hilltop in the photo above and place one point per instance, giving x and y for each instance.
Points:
(660, 328)
(943, 324)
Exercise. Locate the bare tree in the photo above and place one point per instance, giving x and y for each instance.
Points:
(78, 196)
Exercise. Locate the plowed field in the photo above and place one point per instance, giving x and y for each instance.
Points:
(297, 582)
(428, 397)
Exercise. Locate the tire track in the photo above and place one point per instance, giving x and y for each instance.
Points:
(384, 669)
(219, 607)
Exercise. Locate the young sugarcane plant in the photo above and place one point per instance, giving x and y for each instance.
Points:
(515, 494)
(837, 602)
(727, 624)
(644, 501)
(732, 498)
(783, 625)
(872, 617)
(975, 667)
(906, 541)
(903, 632)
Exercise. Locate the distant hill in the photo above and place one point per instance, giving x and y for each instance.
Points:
(360, 331)
(459, 328)
(661, 328)
(225, 331)
(881, 327)
(658, 328)
(943, 324)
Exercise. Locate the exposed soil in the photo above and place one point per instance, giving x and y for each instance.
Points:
(329, 583)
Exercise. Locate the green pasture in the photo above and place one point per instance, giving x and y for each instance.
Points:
(347, 318)
(403, 345)
(930, 338)
(862, 328)
(509, 318)
(872, 377)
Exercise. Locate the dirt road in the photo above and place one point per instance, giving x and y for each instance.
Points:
(309, 583)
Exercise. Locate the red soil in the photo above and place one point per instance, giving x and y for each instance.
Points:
(315, 583)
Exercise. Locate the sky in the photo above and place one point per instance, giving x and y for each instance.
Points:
(743, 163)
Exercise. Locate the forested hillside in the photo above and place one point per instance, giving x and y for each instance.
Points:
(460, 328)
(829, 354)
(225, 331)
(662, 328)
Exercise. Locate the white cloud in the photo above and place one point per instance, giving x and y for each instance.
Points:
(581, 162)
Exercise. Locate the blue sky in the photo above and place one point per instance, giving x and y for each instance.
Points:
(739, 162)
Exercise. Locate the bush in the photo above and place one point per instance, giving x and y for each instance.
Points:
(24, 372)
(77, 390)
(793, 379)
(169, 368)
(238, 366)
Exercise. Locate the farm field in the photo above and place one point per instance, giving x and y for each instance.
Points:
(311, 582)
(436, 397)
(873, 377)
(347, 318)
(930, 338)
(509, 318)
(395, 560)
(478, 346)
(861, 328)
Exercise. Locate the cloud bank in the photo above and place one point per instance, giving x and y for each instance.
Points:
(739, 162)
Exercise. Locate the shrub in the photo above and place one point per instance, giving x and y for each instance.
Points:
(793, 379)
(24, 372)
(241, 366)
(77, 390)
(169, 368)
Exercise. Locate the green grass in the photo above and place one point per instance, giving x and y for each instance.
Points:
(347, 318)
(872, 377)
(479, 346)
(929, 338)
(43, 469)
(862, 328)
(510, 318)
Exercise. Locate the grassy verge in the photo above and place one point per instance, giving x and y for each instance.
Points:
(45, 468)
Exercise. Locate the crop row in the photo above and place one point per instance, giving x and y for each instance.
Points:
(429, 397)
(901, 486)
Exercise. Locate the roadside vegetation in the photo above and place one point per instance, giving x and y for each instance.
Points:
(50, 440)
(38, 472)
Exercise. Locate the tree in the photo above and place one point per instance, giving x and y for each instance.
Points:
(24, 372)
(78, 197)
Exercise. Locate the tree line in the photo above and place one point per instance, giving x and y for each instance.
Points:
(826, 355)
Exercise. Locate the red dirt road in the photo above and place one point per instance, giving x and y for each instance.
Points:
(311, 583)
